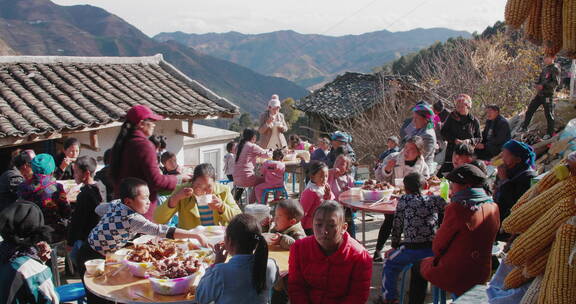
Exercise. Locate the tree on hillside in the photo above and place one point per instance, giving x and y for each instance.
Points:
(296, 120)
(242, 122)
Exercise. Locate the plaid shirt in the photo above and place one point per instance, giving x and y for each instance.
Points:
(119, 224)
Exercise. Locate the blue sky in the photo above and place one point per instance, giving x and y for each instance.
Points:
(329, 17)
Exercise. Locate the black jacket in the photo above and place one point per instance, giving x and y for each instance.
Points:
(500, 130)
(85, 218)
(460, 127)
(509, 191)
(549, 78)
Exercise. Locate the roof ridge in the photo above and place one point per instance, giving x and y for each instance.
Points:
(155, 59)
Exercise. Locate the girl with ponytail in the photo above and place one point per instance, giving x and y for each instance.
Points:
(246, 157)
(248, 276)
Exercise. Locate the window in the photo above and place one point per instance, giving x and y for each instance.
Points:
(212, 157)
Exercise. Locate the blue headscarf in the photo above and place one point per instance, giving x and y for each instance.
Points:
(43, 164)
(521, 150)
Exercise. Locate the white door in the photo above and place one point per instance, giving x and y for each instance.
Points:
(213, 157)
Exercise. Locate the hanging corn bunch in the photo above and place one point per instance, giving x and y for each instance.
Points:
(560, 277)
(552, 26)
(533, 27)
(549, 23)
(569, 27)
(517, 11)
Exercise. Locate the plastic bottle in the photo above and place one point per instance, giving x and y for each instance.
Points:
(444, 188)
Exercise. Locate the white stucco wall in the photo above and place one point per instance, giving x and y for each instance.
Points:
(106, 138)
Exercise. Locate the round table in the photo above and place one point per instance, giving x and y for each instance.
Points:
(123, 287)
(353, 199)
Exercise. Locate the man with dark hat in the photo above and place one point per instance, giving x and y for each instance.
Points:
(23, 254)
(514, 176)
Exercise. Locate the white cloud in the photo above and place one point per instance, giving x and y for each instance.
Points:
(331, 17)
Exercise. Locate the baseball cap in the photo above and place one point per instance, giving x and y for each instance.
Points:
(140, 112)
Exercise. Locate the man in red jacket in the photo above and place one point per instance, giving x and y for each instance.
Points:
(330, 266)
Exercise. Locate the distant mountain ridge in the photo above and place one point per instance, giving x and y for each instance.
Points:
(40, 27)
(309, 59)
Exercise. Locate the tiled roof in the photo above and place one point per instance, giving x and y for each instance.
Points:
(349, 94)
(45, 94)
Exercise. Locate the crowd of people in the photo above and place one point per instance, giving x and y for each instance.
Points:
(447, 241)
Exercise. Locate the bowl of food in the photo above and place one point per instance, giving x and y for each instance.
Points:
(95, 267)
(120, 255)
(139, 269)
(174, 276)
(374, 191)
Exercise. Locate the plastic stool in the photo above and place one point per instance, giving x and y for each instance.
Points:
(72, 292)
(274, 191)
(405, 270)
(358, 183)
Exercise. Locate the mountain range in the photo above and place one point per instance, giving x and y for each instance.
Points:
(310, 59)
(41, 27)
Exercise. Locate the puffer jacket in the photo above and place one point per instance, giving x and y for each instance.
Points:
(462, 248)
(343, 277)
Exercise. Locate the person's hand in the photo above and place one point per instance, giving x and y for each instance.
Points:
(502, 175)
(266, 221)
(202, 240)
(44, 251)
(458, 141)
(216, 204)
(390, 165)
(186, 178)
(389, 252)
(67, 161)
(220, 252)
(180, 195)
(327, 192)
(480, 146)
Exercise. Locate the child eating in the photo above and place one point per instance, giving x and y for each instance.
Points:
(316, 192)
(417, 219)
(287, 228)
(248, 276)
(273, 172)
(122, 220)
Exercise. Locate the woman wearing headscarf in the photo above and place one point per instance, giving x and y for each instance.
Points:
(272, 126)
(463, 244)
(23, 253)
(423, 119)
(460, 127)
(43, 190)
(514, 176)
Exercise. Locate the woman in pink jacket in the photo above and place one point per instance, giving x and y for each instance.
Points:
(247, 154)
(330, 266)
(273, 172)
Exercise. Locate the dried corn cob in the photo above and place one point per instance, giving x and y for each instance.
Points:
(560, 278)
(517, 11)
(550, 179)
(536, 266)
(569, 27)
(523, 216)
(515, 279)
(552, 26)
(533, 26)
(541, 234)
(531, 295)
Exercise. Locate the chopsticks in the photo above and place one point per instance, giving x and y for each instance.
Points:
(378, 202)
(143, 296)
